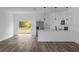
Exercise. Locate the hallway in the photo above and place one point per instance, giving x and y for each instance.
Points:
(26, 43)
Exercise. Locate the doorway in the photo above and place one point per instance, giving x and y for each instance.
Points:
(24, 27)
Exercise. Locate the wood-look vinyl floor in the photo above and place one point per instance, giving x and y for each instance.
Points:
(26, 43)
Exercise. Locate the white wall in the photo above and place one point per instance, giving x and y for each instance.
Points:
(6, 25)
(75, 12)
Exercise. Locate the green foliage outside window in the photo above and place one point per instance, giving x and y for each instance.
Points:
(25, 24)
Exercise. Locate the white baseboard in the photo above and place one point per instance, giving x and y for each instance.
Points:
(5, 38)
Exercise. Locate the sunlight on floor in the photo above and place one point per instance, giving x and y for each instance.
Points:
(23, 36)
(24, 31)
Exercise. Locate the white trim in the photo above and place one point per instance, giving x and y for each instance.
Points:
(5, 38)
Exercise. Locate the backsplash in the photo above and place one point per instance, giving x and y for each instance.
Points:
(62, 21)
